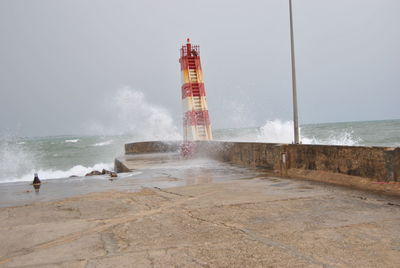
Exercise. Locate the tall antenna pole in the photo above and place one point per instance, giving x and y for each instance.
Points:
(294, 87)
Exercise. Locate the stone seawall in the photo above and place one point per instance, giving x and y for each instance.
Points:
(380, 163)
(151, 147)
(345, 165)
(119, 166)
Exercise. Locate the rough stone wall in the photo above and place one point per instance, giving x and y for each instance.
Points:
(369, 162)
(151, 147)
(258, 155)
(119, 166)
(379, 163)
(393, 163)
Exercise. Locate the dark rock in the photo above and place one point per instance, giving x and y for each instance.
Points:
(73, 176)
(94, 173)
(36, 187)
(105, 171)
(113, 175)
(36, 180)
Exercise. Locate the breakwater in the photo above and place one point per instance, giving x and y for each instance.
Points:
(346, 165)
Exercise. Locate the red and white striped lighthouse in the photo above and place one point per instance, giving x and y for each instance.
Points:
(196, 120)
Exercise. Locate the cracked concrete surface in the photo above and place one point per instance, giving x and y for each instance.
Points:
(259, 222)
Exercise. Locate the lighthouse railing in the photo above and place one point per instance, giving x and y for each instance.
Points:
(184, 52)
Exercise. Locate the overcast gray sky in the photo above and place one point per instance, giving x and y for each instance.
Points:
(61, 61)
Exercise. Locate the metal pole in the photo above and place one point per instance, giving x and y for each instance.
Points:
(294, 87)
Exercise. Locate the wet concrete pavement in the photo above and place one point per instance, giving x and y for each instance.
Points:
(202, 213)
(149, 170)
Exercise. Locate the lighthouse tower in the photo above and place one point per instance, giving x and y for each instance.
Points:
(196, 121)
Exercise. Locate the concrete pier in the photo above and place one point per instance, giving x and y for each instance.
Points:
(367, 168)
(204, 213)
(214, 210)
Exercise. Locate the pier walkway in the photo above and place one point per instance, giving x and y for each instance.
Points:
(204, 213)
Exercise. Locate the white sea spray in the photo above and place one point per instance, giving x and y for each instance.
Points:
(277, 131)
(15, 159)
(130, 113)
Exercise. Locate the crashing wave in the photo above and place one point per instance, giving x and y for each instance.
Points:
(71, 141)
(47, 174)
(104, 143)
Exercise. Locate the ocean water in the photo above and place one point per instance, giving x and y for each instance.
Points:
(365, 133)
(64, 156)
